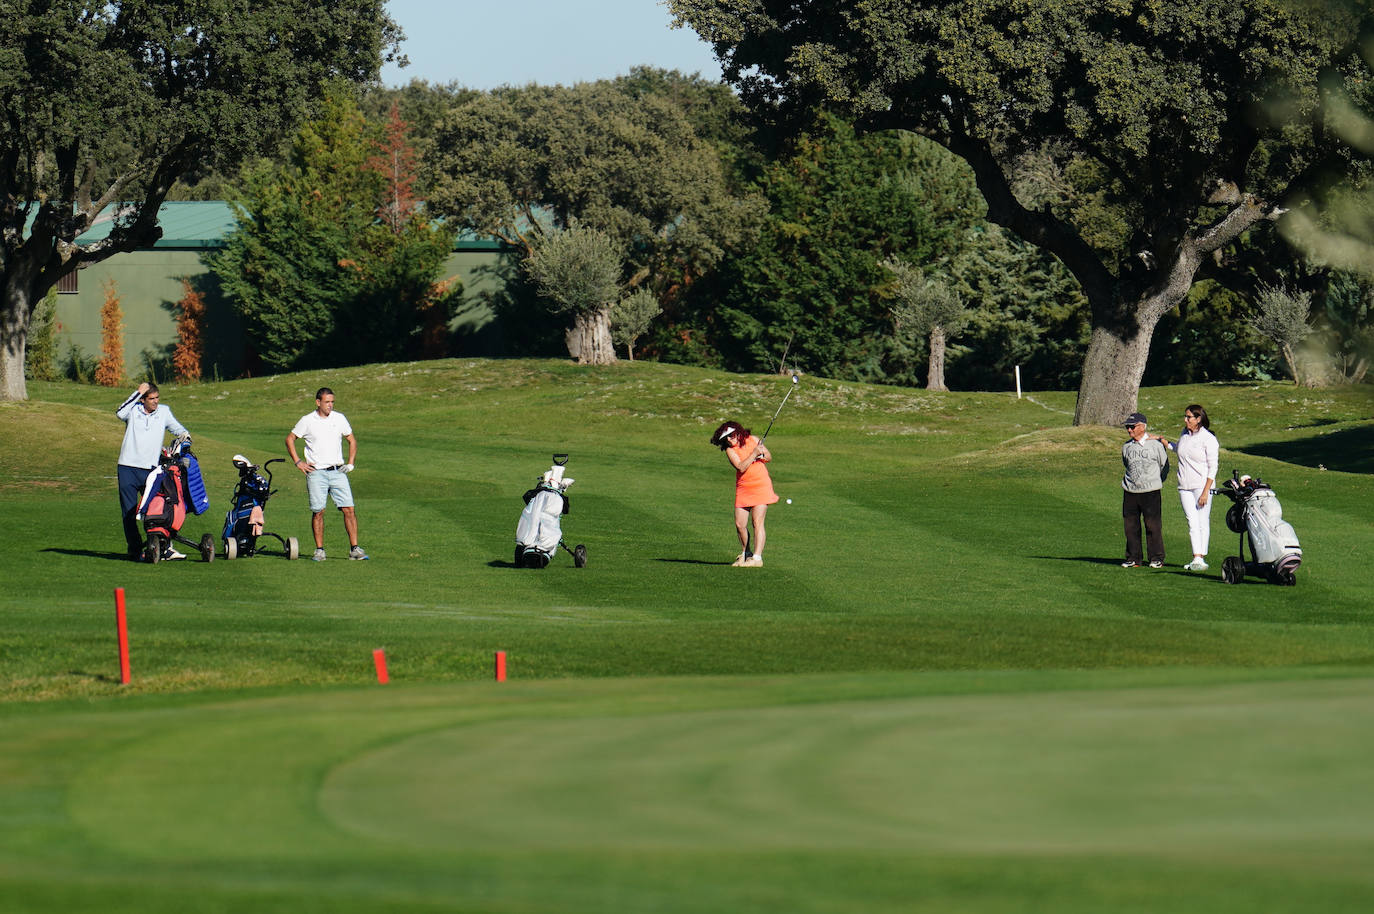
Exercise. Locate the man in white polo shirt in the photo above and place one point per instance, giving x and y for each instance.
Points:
(325, 468)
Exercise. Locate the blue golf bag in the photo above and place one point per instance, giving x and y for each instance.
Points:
(245, 519)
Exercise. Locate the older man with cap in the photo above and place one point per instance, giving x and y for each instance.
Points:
(1147, 466)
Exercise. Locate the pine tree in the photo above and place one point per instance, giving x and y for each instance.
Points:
(394, 160)
(190, 348)
(318, 278)
(109, 372)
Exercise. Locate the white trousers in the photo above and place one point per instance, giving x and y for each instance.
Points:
(1199, 519)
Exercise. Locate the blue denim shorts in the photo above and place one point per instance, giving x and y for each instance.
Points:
(326, 484)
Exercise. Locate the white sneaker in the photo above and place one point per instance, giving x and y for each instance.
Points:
(357, 554)
(318, 556)
(171, 555)
(1156, 564)
(1195, 565)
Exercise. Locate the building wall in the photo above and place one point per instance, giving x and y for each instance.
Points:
(149, 284)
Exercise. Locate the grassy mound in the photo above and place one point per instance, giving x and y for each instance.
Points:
(940, 693)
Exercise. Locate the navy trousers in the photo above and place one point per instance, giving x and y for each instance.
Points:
(131, 480)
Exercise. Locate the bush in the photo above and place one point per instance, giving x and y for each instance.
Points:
(78, 366)
(40, 355)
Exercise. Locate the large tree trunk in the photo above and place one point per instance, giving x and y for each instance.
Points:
(1112, 370)
(935, 377)
(15, 312)
(589, 338)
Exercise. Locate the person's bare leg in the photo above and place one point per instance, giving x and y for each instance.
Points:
(742, 528)
(350, 525)
(317, 528)
(759, 535)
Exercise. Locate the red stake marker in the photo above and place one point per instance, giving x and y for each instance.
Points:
(379, 658)
(122, 626)
(500, 666)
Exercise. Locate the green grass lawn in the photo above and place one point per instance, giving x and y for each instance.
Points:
(941, 693)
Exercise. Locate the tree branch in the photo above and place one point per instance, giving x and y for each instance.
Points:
(1040, 227)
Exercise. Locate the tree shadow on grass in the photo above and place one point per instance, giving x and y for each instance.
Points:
(1349, 451)
(90, 554)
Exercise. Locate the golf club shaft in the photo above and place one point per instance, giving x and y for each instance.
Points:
(779, 410)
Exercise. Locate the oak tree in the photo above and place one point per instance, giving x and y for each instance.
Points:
(105, 105)
(1191, 122)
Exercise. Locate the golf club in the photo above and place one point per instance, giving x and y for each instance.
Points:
(795, 382)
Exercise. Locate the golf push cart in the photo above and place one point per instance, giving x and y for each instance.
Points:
(173, 489)
(1255, 512)
(539, 533)
(243, 524)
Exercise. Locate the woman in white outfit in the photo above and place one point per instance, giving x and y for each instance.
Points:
(1198, 453)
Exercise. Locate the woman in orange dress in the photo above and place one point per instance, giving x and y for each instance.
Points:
(753, 487)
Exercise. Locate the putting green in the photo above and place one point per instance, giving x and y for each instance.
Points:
(1271, 773)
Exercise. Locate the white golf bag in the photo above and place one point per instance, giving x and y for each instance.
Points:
(539, 533)
(1274, 548)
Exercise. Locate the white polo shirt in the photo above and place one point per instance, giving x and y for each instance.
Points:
(323, 437)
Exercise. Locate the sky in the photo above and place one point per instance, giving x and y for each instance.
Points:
(481, 44)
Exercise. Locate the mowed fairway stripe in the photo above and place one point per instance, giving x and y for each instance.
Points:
(1254, 772)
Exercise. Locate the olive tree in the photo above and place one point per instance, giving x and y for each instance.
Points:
(1282, 318)
(1191, 123)
(105, 105)
(631, 316)
(925, 307)
(578, 271)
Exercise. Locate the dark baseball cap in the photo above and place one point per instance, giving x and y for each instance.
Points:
(1135, 419)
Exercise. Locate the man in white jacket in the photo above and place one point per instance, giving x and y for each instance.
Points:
(146, 424)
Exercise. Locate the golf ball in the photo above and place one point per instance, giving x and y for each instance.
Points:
(789, 501)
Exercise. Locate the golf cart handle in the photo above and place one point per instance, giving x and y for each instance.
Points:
(560, 460)
(264, 468)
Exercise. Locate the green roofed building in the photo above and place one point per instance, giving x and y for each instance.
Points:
(150, 281)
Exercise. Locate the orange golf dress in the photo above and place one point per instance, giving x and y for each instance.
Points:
(754, 486)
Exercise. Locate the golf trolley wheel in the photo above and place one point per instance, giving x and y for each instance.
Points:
(580, 556)
(293, 548)
(207, 547)
(1233, 569)
(1235, 519)
(231, 548)
(1282, 578)
(152, 552)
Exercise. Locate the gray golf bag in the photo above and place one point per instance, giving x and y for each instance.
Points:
(1255, 512)
(539, 533)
